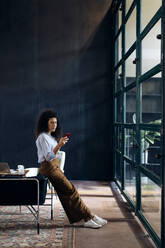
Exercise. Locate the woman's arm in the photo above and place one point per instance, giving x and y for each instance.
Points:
(61, 143)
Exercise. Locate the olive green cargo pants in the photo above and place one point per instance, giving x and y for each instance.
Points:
(71, 201)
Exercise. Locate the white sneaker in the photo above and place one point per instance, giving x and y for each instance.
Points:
(92, 224)
(99, 220)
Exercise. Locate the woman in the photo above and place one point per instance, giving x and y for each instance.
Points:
(49, 142)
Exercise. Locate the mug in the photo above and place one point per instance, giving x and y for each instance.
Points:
(20, 168)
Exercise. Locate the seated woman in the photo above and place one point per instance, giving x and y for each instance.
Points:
(49, 143)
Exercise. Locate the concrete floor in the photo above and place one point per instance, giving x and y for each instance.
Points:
(123, 228)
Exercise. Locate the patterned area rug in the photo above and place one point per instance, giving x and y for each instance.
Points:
(19, 229)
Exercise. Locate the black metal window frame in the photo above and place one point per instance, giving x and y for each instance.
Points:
(119, 155)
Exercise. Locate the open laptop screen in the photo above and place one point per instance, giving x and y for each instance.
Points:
(4, 168)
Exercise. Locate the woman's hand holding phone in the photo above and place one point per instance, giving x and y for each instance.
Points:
(67, 135)
(64, 140)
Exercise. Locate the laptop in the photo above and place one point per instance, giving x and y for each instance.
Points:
(4, 168)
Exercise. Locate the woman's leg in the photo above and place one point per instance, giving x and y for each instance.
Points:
(70, 199)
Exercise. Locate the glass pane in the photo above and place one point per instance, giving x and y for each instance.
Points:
(119, 108)
(151, 202)
(130, 30)
(149, 10)
(118, 48)
(151, 99)
(130, 182)
(128, 5)
(119, 18)
(118, 79)
(130, 105)
(130, 69)
(129, 143)
(150, 148)
(151, 48)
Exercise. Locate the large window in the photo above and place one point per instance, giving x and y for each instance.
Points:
(138, 110)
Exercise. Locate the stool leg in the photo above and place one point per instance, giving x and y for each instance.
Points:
(51, 202)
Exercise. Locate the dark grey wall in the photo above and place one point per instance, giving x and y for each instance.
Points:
(57, 54)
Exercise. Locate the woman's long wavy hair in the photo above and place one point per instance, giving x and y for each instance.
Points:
(42, 124)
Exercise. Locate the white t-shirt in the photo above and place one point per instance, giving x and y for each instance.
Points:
(45, 144)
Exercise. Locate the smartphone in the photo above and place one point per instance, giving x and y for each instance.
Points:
(67, 135)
